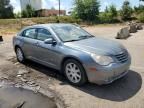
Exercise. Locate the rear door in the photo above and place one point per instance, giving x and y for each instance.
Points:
(30, 42)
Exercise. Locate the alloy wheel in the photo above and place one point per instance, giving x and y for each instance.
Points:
(19, 54)
(73, 72)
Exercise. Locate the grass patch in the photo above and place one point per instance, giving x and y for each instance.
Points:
(41, 20)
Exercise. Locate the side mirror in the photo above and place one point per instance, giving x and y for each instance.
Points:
(50, 41)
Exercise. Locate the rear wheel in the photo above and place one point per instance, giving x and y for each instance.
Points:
(20, 55)
(75, 72)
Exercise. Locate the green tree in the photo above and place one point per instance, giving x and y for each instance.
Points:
(78, 11)
(87, 10)
(113, 11)
(6, 10)
(17, 15)
(109, 15)
(126, 11)
(28, 12)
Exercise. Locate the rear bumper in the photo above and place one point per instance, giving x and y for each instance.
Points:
(107, 74)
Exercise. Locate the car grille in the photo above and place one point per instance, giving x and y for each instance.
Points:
(123, 57)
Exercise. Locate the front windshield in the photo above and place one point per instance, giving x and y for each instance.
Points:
(68, 33)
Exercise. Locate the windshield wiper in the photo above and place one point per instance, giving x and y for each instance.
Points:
(85, 37)
(80, 38)
(71, 40)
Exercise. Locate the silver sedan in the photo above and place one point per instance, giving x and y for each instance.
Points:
(80, 56)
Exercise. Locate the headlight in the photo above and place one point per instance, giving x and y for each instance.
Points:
(102, 60)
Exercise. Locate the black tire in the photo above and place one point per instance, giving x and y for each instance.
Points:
(23, 57)
(83, 79)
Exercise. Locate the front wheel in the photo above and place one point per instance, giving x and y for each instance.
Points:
(20, 55)
(75, 72)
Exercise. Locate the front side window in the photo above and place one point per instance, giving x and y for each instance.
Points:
(43, 34)
(30, 33)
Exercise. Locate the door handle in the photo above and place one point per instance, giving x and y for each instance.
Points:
(22, 39)
(37, 44)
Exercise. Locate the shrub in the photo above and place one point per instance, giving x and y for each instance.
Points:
(104, 17)
(139, 9)
(55, 19)
(107, 18)
(68, 19)
(141, 17)
(42, 20)
(110, 15)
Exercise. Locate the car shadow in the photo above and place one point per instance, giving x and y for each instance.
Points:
(46, 70)
(120, 90)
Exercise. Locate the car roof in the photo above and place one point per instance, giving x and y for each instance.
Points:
(50, 25)
(46, 26)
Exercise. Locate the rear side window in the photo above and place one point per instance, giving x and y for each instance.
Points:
(30, 33)
(43, 34)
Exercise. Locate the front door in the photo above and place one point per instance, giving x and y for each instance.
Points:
(46, 53)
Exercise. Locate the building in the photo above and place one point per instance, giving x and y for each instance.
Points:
(50, 12)
(38, 6)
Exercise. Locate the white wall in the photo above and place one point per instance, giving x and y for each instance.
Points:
(36, 4)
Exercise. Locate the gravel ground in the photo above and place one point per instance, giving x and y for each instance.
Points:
(127, 92)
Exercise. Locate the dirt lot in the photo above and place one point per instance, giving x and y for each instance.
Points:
(127, 92)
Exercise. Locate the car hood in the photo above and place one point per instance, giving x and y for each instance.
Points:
(97, 45)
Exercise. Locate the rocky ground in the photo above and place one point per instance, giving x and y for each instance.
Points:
(127, 92)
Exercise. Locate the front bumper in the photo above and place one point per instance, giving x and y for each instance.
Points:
(107, 74)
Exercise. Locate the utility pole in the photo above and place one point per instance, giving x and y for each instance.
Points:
(59, 7)
(21, 13)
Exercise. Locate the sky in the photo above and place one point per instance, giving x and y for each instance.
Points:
(68, 4)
